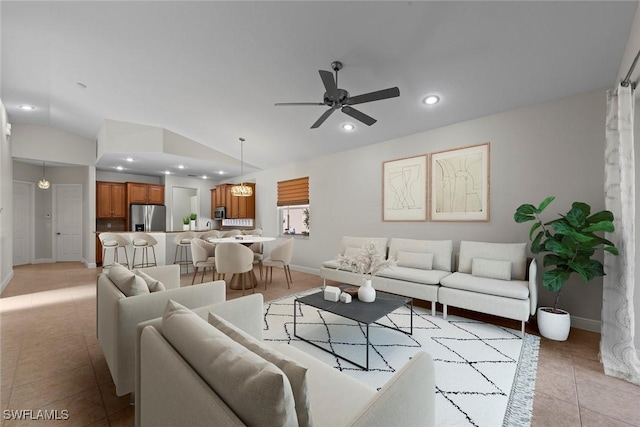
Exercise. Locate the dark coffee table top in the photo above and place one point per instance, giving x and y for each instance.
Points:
(363, 312)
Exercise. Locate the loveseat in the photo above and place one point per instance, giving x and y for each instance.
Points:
(420, 265)
(190, 372)
(492, 278)
(118, 314)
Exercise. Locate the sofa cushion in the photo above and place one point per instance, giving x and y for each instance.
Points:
(517, 289)
(422, 261)
(296, 373)
(491, 268)
(127, 281)
(514, 252)
(442, 250)
(352, 252)
(358, 242)
(154, 285)
(257, 391)
(427, 277)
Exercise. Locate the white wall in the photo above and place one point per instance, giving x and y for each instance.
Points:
(50, 144)
(636, 295)
(556, 148)
(203, 188)
(6, 202)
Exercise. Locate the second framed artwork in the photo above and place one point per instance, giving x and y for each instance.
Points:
(460, 184)
(404, 189)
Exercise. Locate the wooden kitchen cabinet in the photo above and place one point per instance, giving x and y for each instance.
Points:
(145, 193)
(110, 200)
(236, 207)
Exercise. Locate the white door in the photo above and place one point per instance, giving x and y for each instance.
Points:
(68, 212)
(21, 223)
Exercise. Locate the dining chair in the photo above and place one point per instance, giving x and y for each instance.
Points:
(280, 256)
(213, 234)
(202, 255)
(113, 241)
(257, 248)
(230, 233)
(236, 259)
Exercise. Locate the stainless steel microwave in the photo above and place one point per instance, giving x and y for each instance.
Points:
(220, 213)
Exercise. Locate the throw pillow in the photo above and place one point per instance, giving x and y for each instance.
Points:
(256, 390)
(491, 268)
(296, 373)
(420, 260)
(352, 252)
(125, 280)
(153, 284)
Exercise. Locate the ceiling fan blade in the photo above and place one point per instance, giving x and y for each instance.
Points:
(322, 118)
(373, 96)
(329, 84)
(359, 115)
(299, 103)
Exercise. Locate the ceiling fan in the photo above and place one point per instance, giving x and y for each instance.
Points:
(335, 98)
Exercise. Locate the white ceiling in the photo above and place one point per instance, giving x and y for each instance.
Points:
(211, 71)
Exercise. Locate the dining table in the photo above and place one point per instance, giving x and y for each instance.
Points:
(249, 278)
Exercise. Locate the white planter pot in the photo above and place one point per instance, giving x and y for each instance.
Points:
(554, 326)
(366, 293)
(185, 227)
(193, 224)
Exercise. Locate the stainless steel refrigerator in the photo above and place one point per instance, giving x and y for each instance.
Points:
(148, 218)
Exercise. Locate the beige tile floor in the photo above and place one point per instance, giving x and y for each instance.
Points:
(51, 359)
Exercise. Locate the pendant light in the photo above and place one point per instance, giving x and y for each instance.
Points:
(241, 190)
(43, 183)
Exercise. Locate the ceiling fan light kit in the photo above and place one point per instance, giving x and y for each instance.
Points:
(336, 98)
(241, 190)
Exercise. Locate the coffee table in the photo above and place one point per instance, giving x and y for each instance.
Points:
(366, 313)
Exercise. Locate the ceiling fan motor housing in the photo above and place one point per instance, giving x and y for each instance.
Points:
(342, 97)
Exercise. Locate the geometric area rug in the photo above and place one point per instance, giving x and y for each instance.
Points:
(485, 374)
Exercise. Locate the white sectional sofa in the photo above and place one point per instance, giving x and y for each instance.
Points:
(182, 377)
(491, 278)
(421, 264)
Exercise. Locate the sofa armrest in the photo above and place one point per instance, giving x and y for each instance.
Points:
(533, 286)
(169, 275)
(408, 396)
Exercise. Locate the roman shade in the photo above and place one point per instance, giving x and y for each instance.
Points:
(293, 192)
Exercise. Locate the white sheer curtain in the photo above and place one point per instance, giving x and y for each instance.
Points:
(617, 350)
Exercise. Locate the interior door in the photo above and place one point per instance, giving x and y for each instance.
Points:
(68, 211)
(22, 214)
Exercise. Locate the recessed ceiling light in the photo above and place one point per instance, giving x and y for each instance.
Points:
(204, 176)
(119, 168)
(27, 107)
(348, 127)
(431, 99)
(129, 159)
(167, 172)
(180, 166)
(220, 172)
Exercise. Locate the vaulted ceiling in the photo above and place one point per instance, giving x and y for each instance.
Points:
(212, 71)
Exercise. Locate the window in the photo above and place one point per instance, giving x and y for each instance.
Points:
(293, 207)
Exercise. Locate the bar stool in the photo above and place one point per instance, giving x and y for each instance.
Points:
(183, 245)
(212, 234)
(143, 241)
(113, 241)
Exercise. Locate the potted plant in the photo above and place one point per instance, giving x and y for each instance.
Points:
(305, 221)
(193, 218)
(185, 223)
(570, 244)
(367, 263)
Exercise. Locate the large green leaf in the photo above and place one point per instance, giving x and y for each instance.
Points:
(601, 226)
(600, 216)
(535, 243)
(520, 217)
(534, 227)
(545, 203)
(553, 259)
(555, 279)
(611, 249)
(557, 247)
(576, 216)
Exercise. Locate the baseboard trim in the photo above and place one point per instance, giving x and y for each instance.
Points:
(302, 269)
(89, 264)
(6, 281)
(44, 261)
(586, 324)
